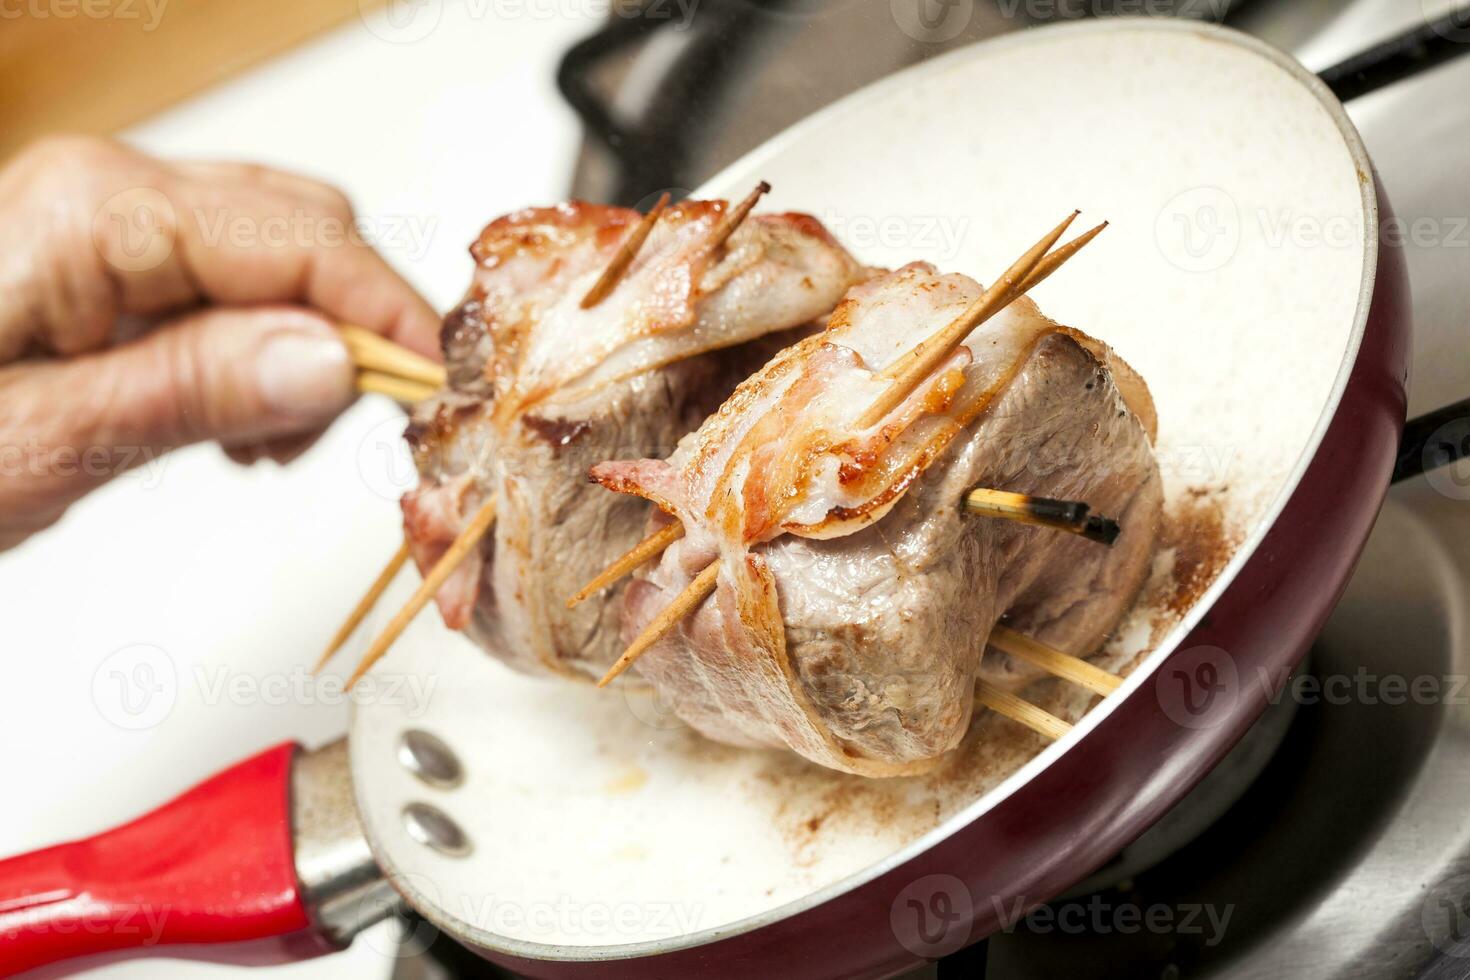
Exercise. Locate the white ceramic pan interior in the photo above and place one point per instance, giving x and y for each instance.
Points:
(1231, 277)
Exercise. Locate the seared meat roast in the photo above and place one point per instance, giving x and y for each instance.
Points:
(854, 597)
(540, 388)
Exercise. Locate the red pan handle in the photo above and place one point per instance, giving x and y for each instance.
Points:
(213, 866)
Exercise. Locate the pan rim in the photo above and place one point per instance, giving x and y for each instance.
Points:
(402, 879)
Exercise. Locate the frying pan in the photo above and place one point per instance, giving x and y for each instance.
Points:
(564, 832)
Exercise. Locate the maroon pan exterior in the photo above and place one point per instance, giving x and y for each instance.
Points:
(1142, 758)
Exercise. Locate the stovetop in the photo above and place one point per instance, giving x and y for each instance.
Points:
(1348, 853)
(1349, 856)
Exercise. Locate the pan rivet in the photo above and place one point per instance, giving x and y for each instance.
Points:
(432, 827)
(427, 757)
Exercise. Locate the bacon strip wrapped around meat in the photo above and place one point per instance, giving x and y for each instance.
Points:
(854, 597)
(541, 388)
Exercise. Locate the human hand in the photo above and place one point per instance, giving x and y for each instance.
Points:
(135, 317)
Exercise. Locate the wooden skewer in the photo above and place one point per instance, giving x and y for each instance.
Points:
(1054, 662)
(905, 374)
(1063, 515)
(416, 387)
(468, 539)
(1053, 260)
(364, 605)
(371, 352)
(911, 369)
(734, 219)
(650, 547)
(930, 353)
(626, 253)
(684, 603)
(409, 390)
(401, 390)
(1059, 514)
(1041, 722)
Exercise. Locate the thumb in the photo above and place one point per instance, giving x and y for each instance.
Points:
(236, 375)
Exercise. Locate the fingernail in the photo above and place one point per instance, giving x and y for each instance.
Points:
(304, 376)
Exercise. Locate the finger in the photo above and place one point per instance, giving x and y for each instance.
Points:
(241, 244)
(90, 229)
(238, 376)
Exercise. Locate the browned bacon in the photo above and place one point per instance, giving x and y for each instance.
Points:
(540, 389)
(854, 597)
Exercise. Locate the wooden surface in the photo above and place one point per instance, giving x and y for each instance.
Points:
(95, 66)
